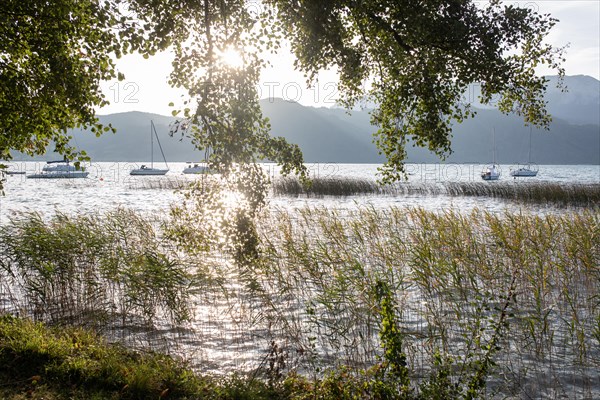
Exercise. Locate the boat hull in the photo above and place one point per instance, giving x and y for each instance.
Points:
(59, 170)
(490, 177)
(59, 175)
(197, 170)
(148, 171)
(523, 173)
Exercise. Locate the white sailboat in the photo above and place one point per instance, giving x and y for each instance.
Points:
(492, 171)
(526, 170)
(145, 170)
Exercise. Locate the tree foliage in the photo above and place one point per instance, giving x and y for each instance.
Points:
(419, 58)
(224, 116)
(413, 59)
(53, 56)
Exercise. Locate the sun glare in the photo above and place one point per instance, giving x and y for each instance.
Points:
(232, 199)
(232, 58)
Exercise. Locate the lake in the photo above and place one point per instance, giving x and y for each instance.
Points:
(109, 185)
(548, 352)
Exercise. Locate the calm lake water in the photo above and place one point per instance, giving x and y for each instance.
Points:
(109, 185)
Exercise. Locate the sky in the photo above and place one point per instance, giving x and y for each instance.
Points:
(145, 86)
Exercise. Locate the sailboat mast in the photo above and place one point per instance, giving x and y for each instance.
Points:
(494, 144)
(160, 146)
(529, 152)
(151, 144)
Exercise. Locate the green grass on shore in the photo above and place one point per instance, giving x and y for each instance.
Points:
(51, 363)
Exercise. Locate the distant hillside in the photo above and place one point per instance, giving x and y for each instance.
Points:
(564, 143)
(324, 135)
(332, 135)
(577, 102)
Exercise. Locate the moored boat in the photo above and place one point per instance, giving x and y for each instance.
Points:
(61, 169)
(196, 168)
(492, 171)
(145, 170)
(527, 170)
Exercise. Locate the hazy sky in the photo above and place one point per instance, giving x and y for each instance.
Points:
(145, 87)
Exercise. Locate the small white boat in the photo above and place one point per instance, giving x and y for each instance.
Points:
(196, 168)
(145, 170)
(492, 171)
(526, 170)
(59, 170)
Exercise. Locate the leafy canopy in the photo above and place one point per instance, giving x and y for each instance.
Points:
(413, 59)
(419, 58)
(53, 56)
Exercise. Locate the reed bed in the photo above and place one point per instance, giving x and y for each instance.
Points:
(328, 187)
(95, 271)
(162, 183)
(451, 275)
(527, 192)
(510, 302)
(530, 192)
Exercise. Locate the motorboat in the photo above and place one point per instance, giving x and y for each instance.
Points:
(61, 169)
(196, 168)
(144, 169)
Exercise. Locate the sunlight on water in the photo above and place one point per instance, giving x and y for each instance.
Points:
(109, 185)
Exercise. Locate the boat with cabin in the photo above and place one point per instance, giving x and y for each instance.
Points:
(197, 168)
(60, 169)
(492, 171)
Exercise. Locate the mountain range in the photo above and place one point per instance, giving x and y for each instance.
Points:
(333, 135)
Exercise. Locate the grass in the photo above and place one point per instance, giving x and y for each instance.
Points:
(51, 363)
(528, 192)
(330, 303)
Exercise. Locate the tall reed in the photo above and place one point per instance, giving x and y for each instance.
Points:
(487, 303)
(528, 192)
(91, 270)
(451, 275)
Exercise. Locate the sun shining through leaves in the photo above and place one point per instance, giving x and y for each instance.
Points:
(219, 213)
(232, 57)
